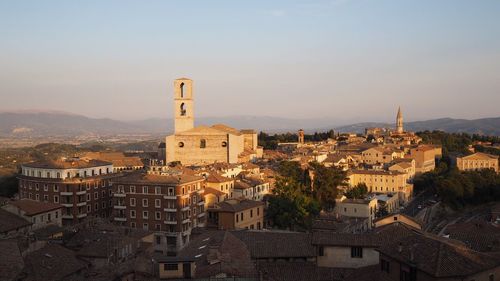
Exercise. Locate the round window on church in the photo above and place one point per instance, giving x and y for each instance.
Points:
(181, 144)
(224, 144)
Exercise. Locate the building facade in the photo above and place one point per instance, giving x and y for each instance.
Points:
(40, 214)
(171, 205)
(234, 214)
(204, 145)
(82, 187)
(383, 182)
(478, 161)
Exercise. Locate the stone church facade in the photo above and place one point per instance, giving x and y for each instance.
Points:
(203, 145)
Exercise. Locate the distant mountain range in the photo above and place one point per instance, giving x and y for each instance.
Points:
(43, 124)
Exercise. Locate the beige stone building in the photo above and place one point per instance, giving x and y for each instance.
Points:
(406, 165)
(397, 218)
(425, 157)
(477, 161)
(40, 214)
(380, 155)
(357, 208)
(237, 214)
(380, 181)
(204, 145)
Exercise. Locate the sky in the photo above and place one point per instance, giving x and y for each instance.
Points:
(349, 60)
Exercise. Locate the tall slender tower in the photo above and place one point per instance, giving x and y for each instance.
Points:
(301, 136)
(399, 122)
(183, 105)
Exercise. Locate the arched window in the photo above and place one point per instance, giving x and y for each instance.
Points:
(203, 143)
(183, 109)
(182, 89)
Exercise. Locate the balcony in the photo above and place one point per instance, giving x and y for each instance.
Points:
(66, 193)
(171, 197)
(200, 215)
(81, 192)
(119, 194)
(83, 215)
(170, 222)
(201, 203)
(67, 205)
(185, 208)
(83, 203)
(120, 207)
(66, 216)
(173, 210)
(120, 219)
(186, 221)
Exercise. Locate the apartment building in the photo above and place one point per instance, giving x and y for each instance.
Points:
(170, 204)
(237, 214)
(381, 181)
(82, 187)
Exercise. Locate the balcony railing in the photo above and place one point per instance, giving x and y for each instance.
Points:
(120, 218)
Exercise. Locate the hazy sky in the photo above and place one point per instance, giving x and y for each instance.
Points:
(345, 59)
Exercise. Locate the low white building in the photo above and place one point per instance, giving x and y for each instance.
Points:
(40, 214)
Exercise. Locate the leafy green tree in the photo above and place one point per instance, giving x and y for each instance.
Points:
(382, 211)
(357, 192)
(325, 184)
(289, 207)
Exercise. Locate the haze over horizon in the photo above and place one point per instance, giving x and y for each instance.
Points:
(352, 60)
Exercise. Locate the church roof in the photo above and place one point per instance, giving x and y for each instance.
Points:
(203, 130)
(480, 156)
(227, 129)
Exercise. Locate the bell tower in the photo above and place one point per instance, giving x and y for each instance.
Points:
(183, 105)
(399, 122)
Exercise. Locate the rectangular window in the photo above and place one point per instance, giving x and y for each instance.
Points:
(251, 213)
(157, 190)
(321, 251)
(96, 195)
(132, 202)
(56, 188)
(157, 203)
(88, 197)
(132, 189)
(145, 214)
(144, 202)
(170, 267)
(384, 265)
(158, 216)
(356, 252)
(132, 214)
(45, 187)
(56, 199)
(145, 190)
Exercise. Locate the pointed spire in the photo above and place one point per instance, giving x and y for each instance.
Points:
(399, 121)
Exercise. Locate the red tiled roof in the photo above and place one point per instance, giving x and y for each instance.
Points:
(31, 207)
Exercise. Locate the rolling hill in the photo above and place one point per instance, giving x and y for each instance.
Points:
(40, 124)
